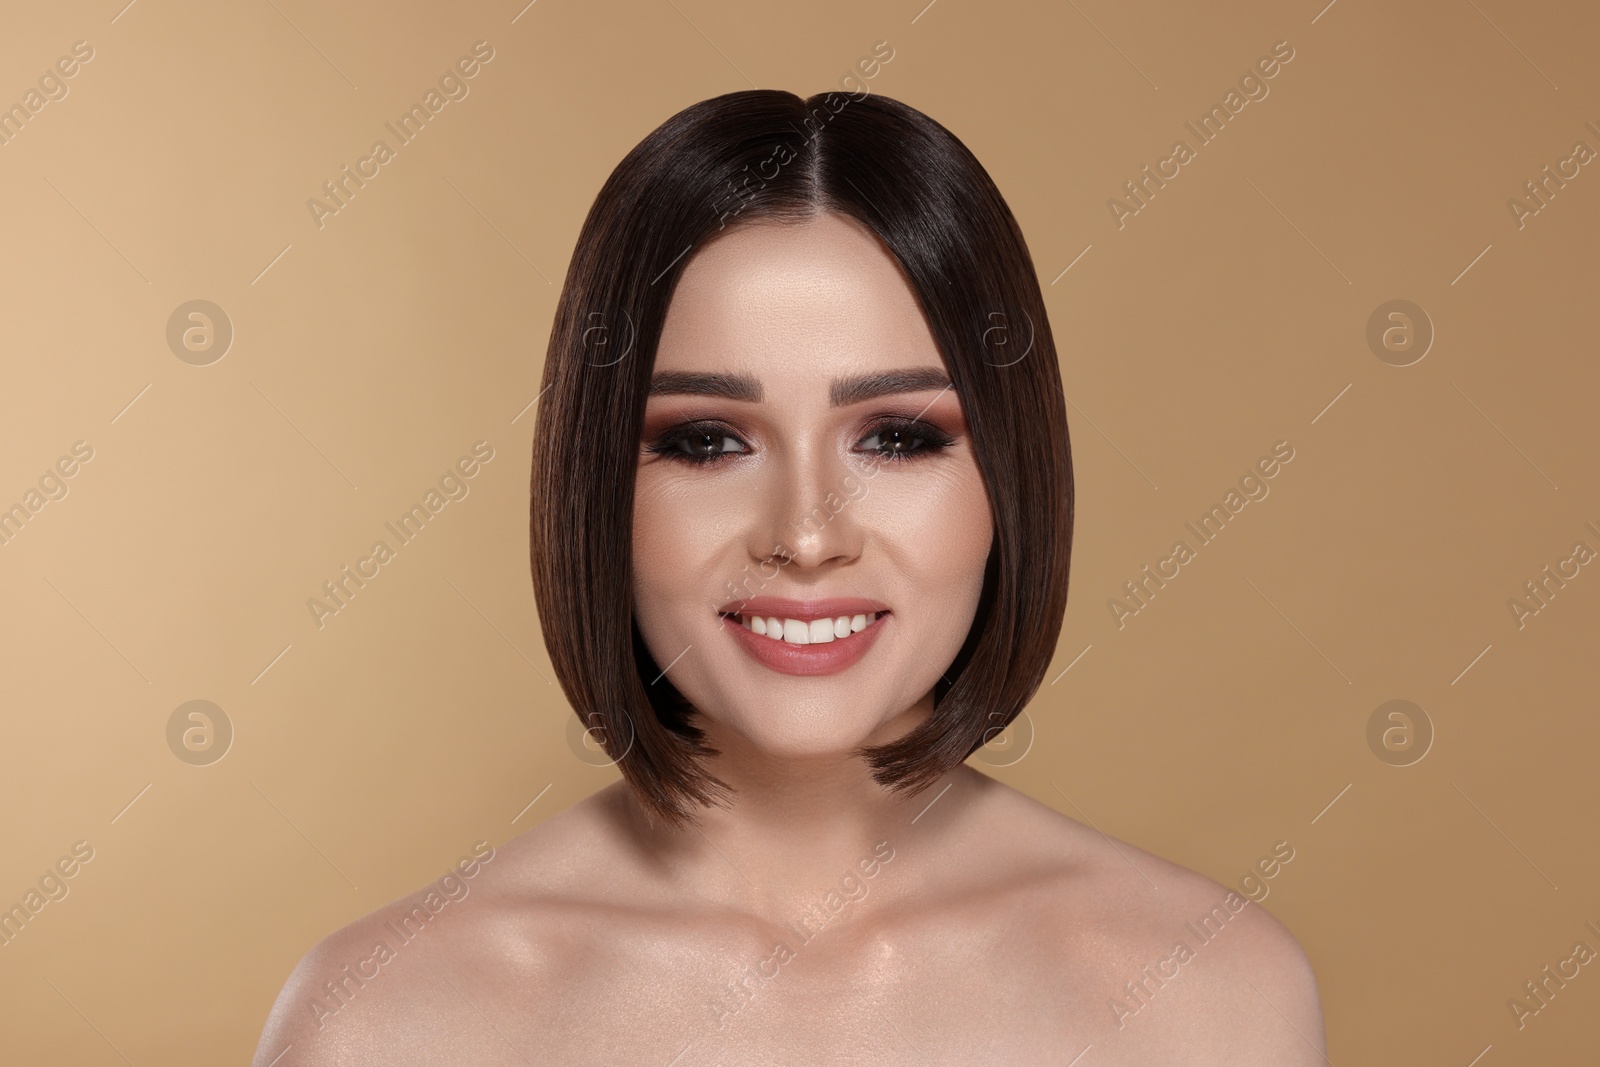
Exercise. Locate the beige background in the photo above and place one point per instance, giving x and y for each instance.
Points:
(371, 353)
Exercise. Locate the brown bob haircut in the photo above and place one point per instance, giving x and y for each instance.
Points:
(768, 155)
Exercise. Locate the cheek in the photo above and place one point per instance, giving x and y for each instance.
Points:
(654, 520)
(939, 527)
(682, 531)
(662, 532)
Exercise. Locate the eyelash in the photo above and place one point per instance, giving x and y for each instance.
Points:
(668, 445)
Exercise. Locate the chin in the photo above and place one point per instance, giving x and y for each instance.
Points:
(784, 730)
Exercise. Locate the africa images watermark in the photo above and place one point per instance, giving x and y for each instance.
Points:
(52, 887)
(1542, 189)
(740, 191)
(1542, 589)
(1139, 992)
(453, 86)
(52, 88)
(1253, 84)
(1140, 591)
(52, 486)
(803, 928)
(453, 485)
(451, 889)
(1540, 991)
(749, 582)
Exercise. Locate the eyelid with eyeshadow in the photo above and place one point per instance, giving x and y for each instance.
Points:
(666, 444)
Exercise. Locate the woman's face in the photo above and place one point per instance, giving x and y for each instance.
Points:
(804, 461)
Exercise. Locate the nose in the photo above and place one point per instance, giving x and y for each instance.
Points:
(811, 514)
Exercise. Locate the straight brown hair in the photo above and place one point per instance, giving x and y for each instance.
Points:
(765, 154)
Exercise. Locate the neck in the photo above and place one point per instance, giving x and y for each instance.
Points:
(798, 827)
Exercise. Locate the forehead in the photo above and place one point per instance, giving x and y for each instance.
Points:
(788, 299)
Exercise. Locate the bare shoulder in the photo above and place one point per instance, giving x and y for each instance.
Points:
(423, 970)
(1169, 963)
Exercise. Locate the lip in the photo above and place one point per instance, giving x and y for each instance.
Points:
(830, 657)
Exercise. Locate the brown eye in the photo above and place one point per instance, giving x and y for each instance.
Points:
(696, 444)
(706, 444)
(901, 439)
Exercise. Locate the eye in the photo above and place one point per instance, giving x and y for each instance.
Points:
(696, 443)
(900, 439)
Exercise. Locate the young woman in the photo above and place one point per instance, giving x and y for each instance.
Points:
(801, 523)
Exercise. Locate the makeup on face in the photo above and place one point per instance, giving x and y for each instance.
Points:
(804, 637)
(805, 482)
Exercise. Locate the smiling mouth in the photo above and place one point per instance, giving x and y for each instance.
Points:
(806, 631)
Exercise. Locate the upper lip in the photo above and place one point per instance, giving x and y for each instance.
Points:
(786, 608)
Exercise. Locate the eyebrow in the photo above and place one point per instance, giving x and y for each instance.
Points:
(841, 391)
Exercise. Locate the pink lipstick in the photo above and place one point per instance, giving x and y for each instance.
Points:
(804, 637)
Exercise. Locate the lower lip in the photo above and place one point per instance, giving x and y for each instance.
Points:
(829, 657)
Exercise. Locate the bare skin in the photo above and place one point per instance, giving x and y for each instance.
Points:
(999, 932)
(819, 918)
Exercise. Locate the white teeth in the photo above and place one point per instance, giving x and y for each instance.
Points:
(808, 632)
